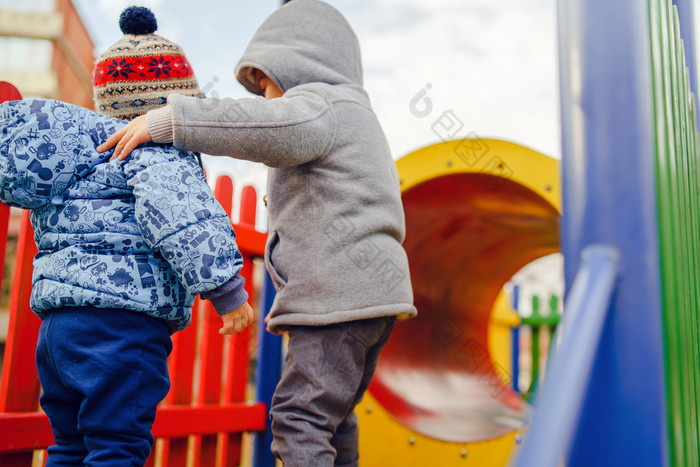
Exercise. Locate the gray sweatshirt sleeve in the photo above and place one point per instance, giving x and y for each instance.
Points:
(281, 132)
(160, 124)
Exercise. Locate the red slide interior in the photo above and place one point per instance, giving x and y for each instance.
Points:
(467, 234)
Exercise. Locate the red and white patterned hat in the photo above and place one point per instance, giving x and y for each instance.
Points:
(141, 70)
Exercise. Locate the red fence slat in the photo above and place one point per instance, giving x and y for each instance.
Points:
(26, 431)
(19, 384)
(8, 92)
(236, 373)
(250, 241)
(211, 348)
(181, 366)
(213, 418)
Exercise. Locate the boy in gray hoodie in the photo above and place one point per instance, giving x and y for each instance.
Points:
(336, 219)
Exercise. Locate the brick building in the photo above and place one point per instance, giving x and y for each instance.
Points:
(45, 50)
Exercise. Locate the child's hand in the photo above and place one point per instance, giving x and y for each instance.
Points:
(127, 139)
(237, 320)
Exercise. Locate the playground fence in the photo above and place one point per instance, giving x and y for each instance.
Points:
(630, 182)
(542, 324)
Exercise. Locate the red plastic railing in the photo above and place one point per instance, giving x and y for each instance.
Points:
(209, 373)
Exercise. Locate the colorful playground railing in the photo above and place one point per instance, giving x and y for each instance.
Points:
(207, 408)
(622, 387)
(678, 182)
(630, 182)
(532, 339)
(541, 325)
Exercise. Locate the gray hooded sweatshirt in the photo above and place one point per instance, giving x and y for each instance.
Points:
(336, 219)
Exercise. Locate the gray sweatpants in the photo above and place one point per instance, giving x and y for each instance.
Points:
(326, 372)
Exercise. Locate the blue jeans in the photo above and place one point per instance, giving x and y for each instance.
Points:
(326, 373)
(103, 372)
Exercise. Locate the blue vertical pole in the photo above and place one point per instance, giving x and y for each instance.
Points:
(515, 341)
(609, 197)
(269, 370)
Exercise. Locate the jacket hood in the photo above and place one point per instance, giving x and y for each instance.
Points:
(304, 41)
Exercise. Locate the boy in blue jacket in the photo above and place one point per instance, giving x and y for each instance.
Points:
(123, 248)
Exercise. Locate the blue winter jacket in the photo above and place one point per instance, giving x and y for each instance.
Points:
(145, 234)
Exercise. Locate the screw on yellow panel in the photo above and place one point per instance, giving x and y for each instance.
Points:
(384, 442)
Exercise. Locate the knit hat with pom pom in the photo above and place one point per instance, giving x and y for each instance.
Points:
(141, 70)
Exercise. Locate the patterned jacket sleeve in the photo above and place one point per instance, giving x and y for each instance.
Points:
(180, 218)
(44, 147)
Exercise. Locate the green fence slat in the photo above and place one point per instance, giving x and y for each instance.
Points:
(669, 240)
(694, 369)
(678, 200)
(686, 362)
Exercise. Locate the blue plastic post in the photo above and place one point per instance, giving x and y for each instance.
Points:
(558, 403)
(269, 370)
(515, 344)
(609, 197)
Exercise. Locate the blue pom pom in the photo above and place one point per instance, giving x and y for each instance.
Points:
(137, 20)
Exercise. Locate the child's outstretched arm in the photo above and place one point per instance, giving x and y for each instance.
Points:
(288, 131)
(237, 320)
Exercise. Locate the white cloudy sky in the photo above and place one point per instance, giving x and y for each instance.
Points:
(491, 62)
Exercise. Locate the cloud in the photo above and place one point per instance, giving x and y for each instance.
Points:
(492, 63)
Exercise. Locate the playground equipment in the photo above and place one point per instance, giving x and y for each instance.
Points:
(622, 388)
(502, 189)
(477, 211)
(629, 235)
(503, 213)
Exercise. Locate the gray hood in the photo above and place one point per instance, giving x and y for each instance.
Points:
(292, 48)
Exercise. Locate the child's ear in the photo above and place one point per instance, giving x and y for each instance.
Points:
(258, 76)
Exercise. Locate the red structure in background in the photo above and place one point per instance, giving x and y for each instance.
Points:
(8, 92)
(73, 58)
(216, 414)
